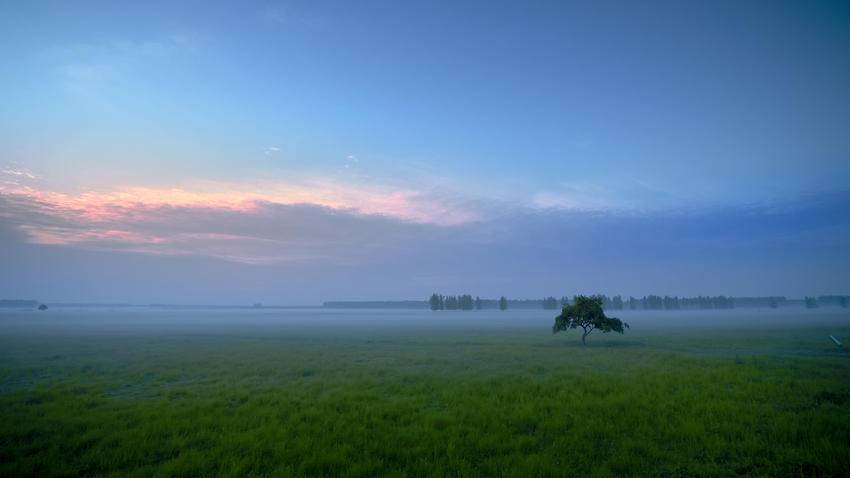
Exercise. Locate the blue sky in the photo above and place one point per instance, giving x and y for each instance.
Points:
(309, 143)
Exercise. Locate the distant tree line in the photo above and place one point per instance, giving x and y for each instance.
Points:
(657, 302)
(647, 302)
(454, 302)
(374, 304)
(832, 300)
(551, 303)
(464, 302)
(18, 303)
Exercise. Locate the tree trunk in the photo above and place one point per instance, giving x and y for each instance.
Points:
(583, 337)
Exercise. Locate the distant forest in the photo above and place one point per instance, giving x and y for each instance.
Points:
(18, 303)
(648, 302)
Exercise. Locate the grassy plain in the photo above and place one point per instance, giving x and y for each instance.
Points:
(322, 397)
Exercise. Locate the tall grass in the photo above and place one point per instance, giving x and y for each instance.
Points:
(508, 402)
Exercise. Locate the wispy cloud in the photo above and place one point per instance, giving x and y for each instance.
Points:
(18, 172)
(528, 250)
(257, 222)
(271, 150)
(345, 219)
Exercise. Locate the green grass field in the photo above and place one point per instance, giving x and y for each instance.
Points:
(331, 400)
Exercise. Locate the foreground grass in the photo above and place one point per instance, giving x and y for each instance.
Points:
(511, 402)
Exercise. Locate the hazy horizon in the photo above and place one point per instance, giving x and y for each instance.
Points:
(518, 303)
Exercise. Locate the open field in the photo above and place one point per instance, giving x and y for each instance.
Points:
(415, 393)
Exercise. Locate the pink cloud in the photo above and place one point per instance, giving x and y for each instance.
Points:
(267, 222)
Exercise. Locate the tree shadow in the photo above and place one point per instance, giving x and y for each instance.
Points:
(605, 344)
(595, 344)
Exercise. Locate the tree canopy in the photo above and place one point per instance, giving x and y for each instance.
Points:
(586, 313)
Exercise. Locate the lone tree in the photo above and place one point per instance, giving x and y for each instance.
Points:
(503, 303)
(586, 313)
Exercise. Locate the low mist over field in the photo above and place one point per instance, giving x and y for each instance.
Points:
(363, 322)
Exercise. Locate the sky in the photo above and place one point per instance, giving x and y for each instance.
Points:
(295, 152)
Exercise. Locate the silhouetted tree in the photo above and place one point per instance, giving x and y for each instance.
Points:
(434, 302)
(617, 302)
(653, 302)
(503, 303)
(722, 302)
(565, 300)
(478, 302)
(831, 300)
(586, 313)
(811, 302)
(671, 303)
(465, 302)
(550, 303)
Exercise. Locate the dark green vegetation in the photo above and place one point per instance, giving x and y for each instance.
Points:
(453, 302)
(586, 313)
(321, 400)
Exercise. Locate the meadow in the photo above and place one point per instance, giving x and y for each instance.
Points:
(139, 393)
